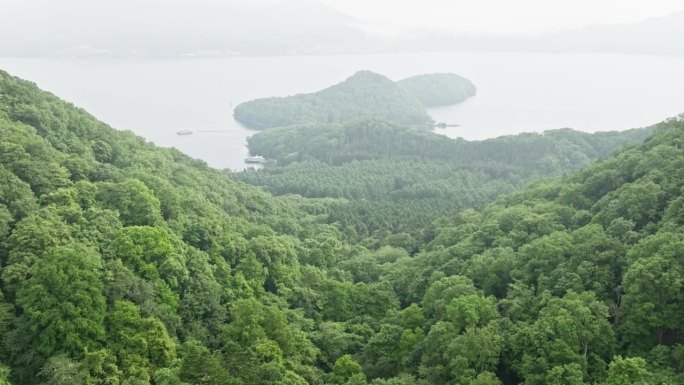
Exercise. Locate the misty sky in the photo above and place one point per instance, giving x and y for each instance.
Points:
(495, 16)
(482, 16)
(504, 16)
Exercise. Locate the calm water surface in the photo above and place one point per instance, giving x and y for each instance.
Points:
(517, 92)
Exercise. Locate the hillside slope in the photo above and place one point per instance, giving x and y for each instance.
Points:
(125, 263)
(585, 272)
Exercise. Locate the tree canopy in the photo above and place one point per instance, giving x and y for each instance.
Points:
(125, 263)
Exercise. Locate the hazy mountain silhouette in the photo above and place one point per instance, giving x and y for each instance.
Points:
(661, 35)
(173, 28)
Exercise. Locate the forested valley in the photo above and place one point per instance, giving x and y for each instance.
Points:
(125, 263)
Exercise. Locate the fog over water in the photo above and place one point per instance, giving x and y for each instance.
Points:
(517, 92)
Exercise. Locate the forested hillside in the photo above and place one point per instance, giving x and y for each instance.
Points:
(570, 281)
(125, 264)
(400, 179)
(365, 94)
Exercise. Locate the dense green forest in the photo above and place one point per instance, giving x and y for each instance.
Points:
(439, 89)
(124, 263)
(390, 178)
(365, 94)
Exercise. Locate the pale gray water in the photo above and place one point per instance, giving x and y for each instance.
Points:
(517, 92)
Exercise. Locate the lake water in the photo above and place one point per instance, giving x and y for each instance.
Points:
(517, 92)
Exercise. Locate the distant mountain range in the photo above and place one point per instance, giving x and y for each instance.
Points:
(152, 28)
(662, 35)
(180, 28)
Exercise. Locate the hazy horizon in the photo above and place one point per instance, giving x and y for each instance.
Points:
(172, 28)
(504, 17)
(488, 16)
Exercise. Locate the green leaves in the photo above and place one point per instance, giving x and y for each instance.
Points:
(467, 344)
(135, 203)
(63, 302)
(60, 370)
(652, 301)
(628, 371)
(4, 375)
(347, 371)
(572, 330)
(470, 311)
(200, 366)
(141, 345)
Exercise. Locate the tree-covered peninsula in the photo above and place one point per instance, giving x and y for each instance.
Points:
(439, 89)
(122, 263)
(365, 94)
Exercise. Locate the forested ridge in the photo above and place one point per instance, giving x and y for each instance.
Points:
(123, 263)
(375, 139)
(386, 177)
(364, 94)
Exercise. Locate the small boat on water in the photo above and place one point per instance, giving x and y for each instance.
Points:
(184, 131)
(445, 125)
(255, 159)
